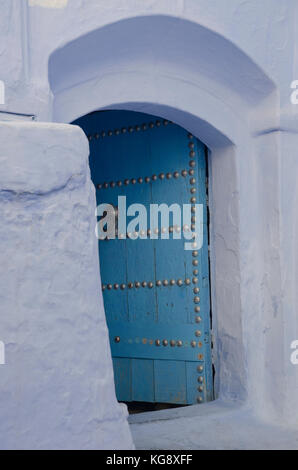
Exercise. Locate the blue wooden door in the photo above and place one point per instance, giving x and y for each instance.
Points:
(156, 293)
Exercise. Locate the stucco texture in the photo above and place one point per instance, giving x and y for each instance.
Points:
(57, 388)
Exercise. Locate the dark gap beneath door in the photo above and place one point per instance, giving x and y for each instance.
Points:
(141, 407)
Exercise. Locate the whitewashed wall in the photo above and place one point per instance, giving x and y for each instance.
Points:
(57, 387)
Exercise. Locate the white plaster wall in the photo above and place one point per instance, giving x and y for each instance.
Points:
(57, 387)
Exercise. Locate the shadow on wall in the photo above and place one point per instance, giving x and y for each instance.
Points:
(165, 46)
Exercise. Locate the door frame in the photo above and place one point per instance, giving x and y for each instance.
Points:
(195, 92)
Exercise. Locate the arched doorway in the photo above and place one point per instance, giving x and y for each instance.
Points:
(179, 77)
(154, 271)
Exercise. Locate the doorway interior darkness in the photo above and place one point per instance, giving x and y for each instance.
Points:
(156, 293)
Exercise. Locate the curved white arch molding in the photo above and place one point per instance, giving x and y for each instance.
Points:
(163, 60)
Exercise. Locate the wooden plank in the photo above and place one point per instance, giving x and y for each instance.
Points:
(122, 376)
(170, 382)
(142, 380)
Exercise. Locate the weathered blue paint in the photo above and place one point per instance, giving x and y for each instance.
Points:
(123, 145)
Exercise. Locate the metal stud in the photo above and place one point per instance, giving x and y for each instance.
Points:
(200, 400)
(200, 368)
(179, 343)
(192, 154)
(96, 135)
(103, 287)
(195, 272)
(109, 286)
(195, 253)
(166, 122)
(193, 200)
(192, 163)
(158, 283)
(117, 132)
(106, 185)
(171, 229)
(198, 333)
(196, 300)
(193, 190)
(130, 285)
(176, 174)
(195, 280)
(144, 127)
(133, 181)
(165, 282)
(161, 176)
(198, 319)
(137, 128)
(99, 186)
(89, 137)
(179, 282)
(197, 309)
(172, 282)
(187, 281)
(192, 181)
(157, 342)
(103, 134)
(119, 183)
(117, 339)
(154, 177)
(144, 284)
(116, 286)
(122, 287)
(130, 129)
(173, 343)
(140, 180)
(158, 123)
(200, 379)
(193, 344)
(190, 136)
(151, 125)
(165, 342)
(184, 173)
(149, 232)
(196, 290)
(112, 184)
(147, 179)
(169, 176)
(191, 172)
(126, 182)
(150, 285)
(200, 388)
(123, 130)
(191, 145)
(110, 133)
(137, 284)
(193, 227)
